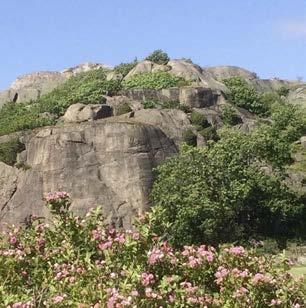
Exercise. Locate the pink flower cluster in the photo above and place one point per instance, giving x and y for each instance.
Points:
(198, 255)
(237, 250)
(147, 279)
(56, 196)
(264, 278)
(161, 253)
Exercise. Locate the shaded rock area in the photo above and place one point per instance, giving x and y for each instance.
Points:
(81, 113)
(172, 122)
(107, 163)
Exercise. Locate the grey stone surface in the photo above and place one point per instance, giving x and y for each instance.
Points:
(171, 121)
(198, 97)
(227, 71)
(107, 162)
(90, 112)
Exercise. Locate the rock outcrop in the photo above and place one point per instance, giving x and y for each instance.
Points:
(172, 122)
(107, 162)
(81, 112)
(32, 86)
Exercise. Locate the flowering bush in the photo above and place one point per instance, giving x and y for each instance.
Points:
(80, 262)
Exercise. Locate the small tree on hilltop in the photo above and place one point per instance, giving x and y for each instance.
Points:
(158, 56)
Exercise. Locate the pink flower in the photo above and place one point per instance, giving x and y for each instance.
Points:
(135, 293)
(13, 240)
(96, 235)
(155, 255)
(56, 196)
(276, 302)
(59, 298)
(147, 279)
(238, 250)
(105, 245)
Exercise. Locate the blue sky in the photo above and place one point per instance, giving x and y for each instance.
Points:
(265, 36)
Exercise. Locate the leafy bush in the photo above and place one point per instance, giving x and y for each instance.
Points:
(156, 81)
(245, 96)
(199, 120)
(123, 108)
(273, 142)
(125, 68)
(82, 262)
(220, 194)
(158, 56)
(209, 133)
(86, 88)
(189, 137)
(229, 116)
(9, 151)
(16, 117)
(283, 91)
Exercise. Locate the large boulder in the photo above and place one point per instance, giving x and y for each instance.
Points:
(219, 72)
(106, 162)
(32, 86)
(90, 112)
(195, 74)
(172, 122)
(198, 97)
(146, 66)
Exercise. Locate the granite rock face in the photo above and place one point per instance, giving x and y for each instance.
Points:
(107, 162)
(90, 112)
(172, 122)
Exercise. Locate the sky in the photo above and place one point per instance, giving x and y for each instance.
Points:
(264, 36)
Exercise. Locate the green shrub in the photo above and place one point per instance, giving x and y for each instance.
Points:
(271, 100)
(209, 133)
(123, 109)
(283, 91)
(220, 194)
(199, 120)
(245, 96)
(229, 116)
(190, 138)
(17, 117)
(9, 151)
(156, 81)
(125, 68)
(158, 56)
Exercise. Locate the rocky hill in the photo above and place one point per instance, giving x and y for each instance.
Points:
(102, 146)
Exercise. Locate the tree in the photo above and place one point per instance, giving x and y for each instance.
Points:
(219, 194)
(159, 57)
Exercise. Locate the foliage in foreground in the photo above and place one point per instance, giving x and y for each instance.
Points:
(81, 262)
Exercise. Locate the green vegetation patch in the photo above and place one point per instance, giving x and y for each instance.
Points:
(244, 95)
(86, 88)
(9, 151)
(155, 81)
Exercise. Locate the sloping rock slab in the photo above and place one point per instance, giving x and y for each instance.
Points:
(98, 163)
